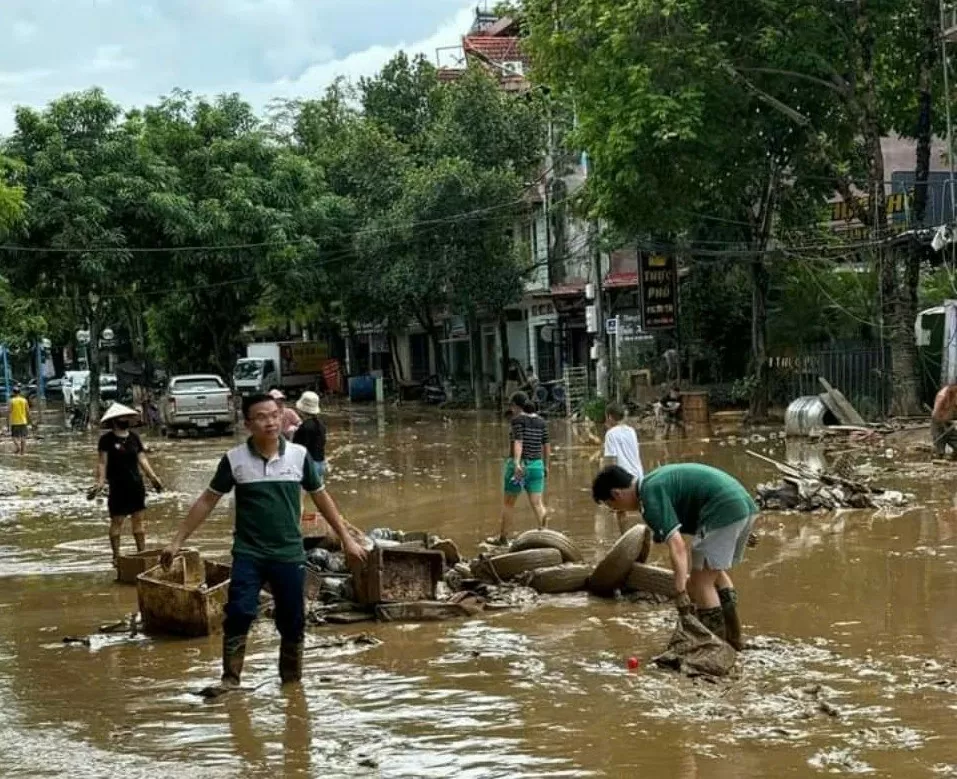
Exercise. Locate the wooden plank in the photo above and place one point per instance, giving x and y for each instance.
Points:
(838, 413)
(848, 415)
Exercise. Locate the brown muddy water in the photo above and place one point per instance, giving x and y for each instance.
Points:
(853, 617)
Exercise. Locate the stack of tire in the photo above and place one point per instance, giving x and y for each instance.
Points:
(551, 563)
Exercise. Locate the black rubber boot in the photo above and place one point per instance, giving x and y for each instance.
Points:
(729, 606)
(713, 619)
(290, 661)
(234, 654)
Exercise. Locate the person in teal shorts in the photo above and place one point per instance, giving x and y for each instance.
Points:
(526, 468)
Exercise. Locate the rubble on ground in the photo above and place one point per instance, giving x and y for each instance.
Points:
(808, 489)
(421, 577)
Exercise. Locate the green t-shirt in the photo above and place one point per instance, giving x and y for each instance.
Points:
(693, 497)
(268, 506)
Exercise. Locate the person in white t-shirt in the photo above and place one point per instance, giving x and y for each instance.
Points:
(621, 449)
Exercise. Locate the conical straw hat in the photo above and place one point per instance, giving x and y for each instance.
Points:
(118, 411)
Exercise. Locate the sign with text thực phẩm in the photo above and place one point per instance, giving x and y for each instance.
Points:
(658, 276)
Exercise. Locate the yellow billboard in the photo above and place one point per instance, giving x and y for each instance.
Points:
(302, 357)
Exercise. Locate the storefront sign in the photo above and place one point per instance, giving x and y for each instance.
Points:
(659, 291)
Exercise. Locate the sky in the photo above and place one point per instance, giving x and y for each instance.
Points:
(138, 50)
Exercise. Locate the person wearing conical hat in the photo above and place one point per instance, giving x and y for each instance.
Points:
(121, 464)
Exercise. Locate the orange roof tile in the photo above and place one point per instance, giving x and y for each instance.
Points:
(496, 50)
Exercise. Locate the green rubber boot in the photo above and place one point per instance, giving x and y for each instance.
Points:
(729, 606)
(234, 654)
(713, 619)
(290, 662)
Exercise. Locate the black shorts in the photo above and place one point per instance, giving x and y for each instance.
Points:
(126, 500)
(18, 431)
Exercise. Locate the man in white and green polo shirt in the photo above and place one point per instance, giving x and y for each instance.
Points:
(267, 473)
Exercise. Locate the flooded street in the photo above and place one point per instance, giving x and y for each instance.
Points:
(853, 617)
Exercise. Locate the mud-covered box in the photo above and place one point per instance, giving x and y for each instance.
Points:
(188, 599)
(394, 574)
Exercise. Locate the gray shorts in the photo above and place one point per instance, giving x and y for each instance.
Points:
(722, 549)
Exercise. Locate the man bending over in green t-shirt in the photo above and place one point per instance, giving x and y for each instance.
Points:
(695, 500)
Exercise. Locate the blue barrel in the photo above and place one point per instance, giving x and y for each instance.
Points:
(361, 389)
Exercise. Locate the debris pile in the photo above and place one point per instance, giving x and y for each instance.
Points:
(805, 489)
(421, 577)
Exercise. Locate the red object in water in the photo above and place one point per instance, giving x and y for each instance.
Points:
(632, 663)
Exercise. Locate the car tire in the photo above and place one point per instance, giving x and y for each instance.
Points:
(650, 578)
(511, 564)
(568, 577)
(544, 538)
(614, 568)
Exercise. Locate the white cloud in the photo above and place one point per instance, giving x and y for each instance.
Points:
(259, 48)
(109, 58)
(22, 31)
(22, 78)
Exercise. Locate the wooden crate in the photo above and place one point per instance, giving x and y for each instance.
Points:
(129, 566)
(694, 408)
(188, 599)
(391, 575)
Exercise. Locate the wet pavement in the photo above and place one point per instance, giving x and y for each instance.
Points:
(853, 618)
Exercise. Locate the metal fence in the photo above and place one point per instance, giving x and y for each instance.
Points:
(861, 371)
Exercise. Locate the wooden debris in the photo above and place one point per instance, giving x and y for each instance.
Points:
(803, 489)
(840, 406)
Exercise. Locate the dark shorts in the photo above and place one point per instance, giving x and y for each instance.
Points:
(127, 500)
(286, 583)
(19, 431)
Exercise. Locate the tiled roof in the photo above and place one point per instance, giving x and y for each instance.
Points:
(496, 49)
(450, 74)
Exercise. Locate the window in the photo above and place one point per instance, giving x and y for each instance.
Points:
(198, 384)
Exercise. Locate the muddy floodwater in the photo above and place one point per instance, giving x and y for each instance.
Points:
(852, 617)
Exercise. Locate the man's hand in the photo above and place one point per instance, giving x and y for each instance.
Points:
(167, 556)
(353, 551)
(683, 603)
(95, 490)
(157, 484)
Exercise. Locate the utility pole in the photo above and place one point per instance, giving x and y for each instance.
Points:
(601, 358)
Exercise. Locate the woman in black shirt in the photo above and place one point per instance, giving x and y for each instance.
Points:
(121, 457)
(312, 432)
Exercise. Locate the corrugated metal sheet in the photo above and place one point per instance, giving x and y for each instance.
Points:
(806, 415)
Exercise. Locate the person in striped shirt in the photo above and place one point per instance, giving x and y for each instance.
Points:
(526, 468)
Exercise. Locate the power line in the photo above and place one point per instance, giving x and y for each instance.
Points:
(453, 218)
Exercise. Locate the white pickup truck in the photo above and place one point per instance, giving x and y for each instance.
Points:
(200, 401)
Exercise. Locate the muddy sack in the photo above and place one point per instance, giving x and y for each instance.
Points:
(696, 651)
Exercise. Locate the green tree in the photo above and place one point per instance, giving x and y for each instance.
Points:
(435, 174)
(11, 196)
(88, 180)
(678, 147)
(260, 214)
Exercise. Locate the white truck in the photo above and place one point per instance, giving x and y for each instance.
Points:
(285, 365)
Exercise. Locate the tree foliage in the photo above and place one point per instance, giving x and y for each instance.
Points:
(186, 221)
(734, 123)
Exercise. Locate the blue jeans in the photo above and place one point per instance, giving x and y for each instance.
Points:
(287, 583)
